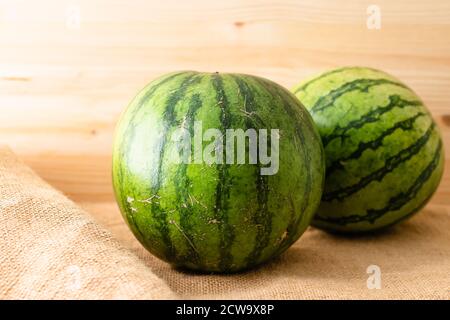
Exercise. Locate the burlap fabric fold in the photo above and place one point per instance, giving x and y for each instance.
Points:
(52, 249)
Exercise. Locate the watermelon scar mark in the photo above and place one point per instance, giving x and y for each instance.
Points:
(130, 200)
(184, 235)
(194, 199)
(149, 200)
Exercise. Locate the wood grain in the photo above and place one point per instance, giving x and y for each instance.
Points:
(62, 87)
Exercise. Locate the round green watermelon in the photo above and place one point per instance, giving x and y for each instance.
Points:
(384, 153)
(194, 199)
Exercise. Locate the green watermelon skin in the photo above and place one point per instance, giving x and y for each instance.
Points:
(221, 217)
(384, 152)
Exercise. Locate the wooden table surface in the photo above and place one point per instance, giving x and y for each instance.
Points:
(68, 68)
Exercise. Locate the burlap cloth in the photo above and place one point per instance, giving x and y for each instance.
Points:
(50, 248)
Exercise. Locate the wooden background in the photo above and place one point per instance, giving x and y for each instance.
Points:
(68, 68)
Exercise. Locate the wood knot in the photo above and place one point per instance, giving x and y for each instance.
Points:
(16, 78)
(446, 120)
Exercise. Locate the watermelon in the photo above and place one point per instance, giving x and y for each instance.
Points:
(384, 153)
(192, 204)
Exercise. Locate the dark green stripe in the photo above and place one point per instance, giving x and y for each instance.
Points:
(395, 101)
(224, 182)
(396, 202)
(302, 114)
(290, 108)
(182, 186)
(168, 121)
(324, 75)
(262, 217)
(148, 95)
(292, 229)
(405, 125)
(410, 213)
(129, 131)
(250, 109)
(273, 90)
(378, 175)
(128, 135)
(362, 85)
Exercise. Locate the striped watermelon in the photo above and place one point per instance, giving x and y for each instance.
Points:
(215, 217)
(384, 153)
